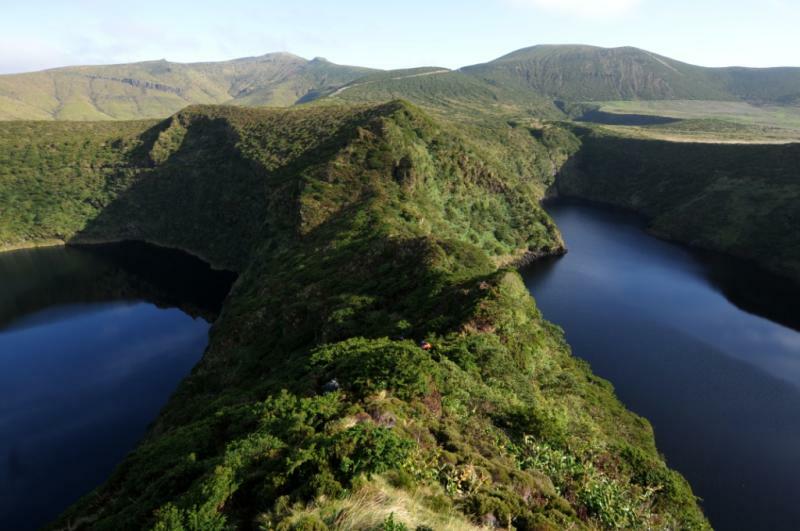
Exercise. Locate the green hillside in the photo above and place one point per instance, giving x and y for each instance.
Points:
(587, 73)
(453, 94)
(761, 85)
(156, 89)
(743, 200)
(522, 83)
(402, 73)
(357, 232)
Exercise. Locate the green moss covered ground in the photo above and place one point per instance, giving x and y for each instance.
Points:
(357, 233)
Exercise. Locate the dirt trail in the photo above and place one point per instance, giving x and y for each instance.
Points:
(432, 72)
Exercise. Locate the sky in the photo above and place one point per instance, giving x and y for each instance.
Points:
(38, 34)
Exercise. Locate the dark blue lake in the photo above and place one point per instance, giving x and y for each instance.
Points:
(705, 347)
(93, 341)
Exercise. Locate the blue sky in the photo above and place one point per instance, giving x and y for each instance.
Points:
(38, 34)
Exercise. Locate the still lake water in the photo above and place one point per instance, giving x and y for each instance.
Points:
(685, 339)
(94, 340)
(92, 343)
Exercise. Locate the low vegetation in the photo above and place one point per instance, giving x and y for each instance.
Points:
(359, 229)
(710, 131)
(578, 73)
(785, 117)
(450, 94)
(524, 83)
(703, 121)
(157, 89)
(740, 199)
(55, 176)
(357, 232)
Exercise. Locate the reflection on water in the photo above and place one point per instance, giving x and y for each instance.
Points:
(719, 382)
(92, 343)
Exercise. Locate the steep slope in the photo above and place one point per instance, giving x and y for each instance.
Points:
(156, 89)
(740, 199)
(359, 231)
(761, 85)
(451, 93)
(518, 84)
(589, 73)
(54, 176)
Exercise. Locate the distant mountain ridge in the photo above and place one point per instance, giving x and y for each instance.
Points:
(155, 89)
(530, 79)
(590, 73)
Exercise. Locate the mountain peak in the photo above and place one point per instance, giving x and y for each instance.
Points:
(578, 72)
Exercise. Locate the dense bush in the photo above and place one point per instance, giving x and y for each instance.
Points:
(739, 199)
(366, 366)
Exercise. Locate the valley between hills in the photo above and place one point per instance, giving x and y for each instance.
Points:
(366, 210)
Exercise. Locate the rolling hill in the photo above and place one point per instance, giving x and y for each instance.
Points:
(156, 89)
(522, 83)
(589, 73)
(453, 93)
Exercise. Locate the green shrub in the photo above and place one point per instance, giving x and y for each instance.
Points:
(365, 366)
(308, 523)
(610, 503)
(369, 449)
(390, 525)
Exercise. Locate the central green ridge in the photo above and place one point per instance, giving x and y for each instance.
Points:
(358, 232)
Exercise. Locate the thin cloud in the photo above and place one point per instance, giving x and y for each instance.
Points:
(581, 8)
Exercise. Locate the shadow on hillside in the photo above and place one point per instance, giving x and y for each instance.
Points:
(742, 282)
(195, 190)
(752, 289)
(203, 197)
(56, 277)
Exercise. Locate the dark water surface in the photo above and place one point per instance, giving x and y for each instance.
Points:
(684, 338)
(612, 118)
(92, 343)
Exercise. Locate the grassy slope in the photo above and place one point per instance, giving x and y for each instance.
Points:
(402, 73)
(453, 95)
(710, 131)
(762, 85)
(156, 89)
(739, 199)
(712, 120)
(588, 73)
(778, 116)
(522, 83)
(356, 225)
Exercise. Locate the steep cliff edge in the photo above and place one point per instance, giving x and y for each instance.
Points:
(739, 199)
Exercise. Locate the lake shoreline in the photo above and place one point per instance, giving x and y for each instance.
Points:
(98, 338)
(558, 196)
(657, 319)
(107, 241)
(31, 245)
